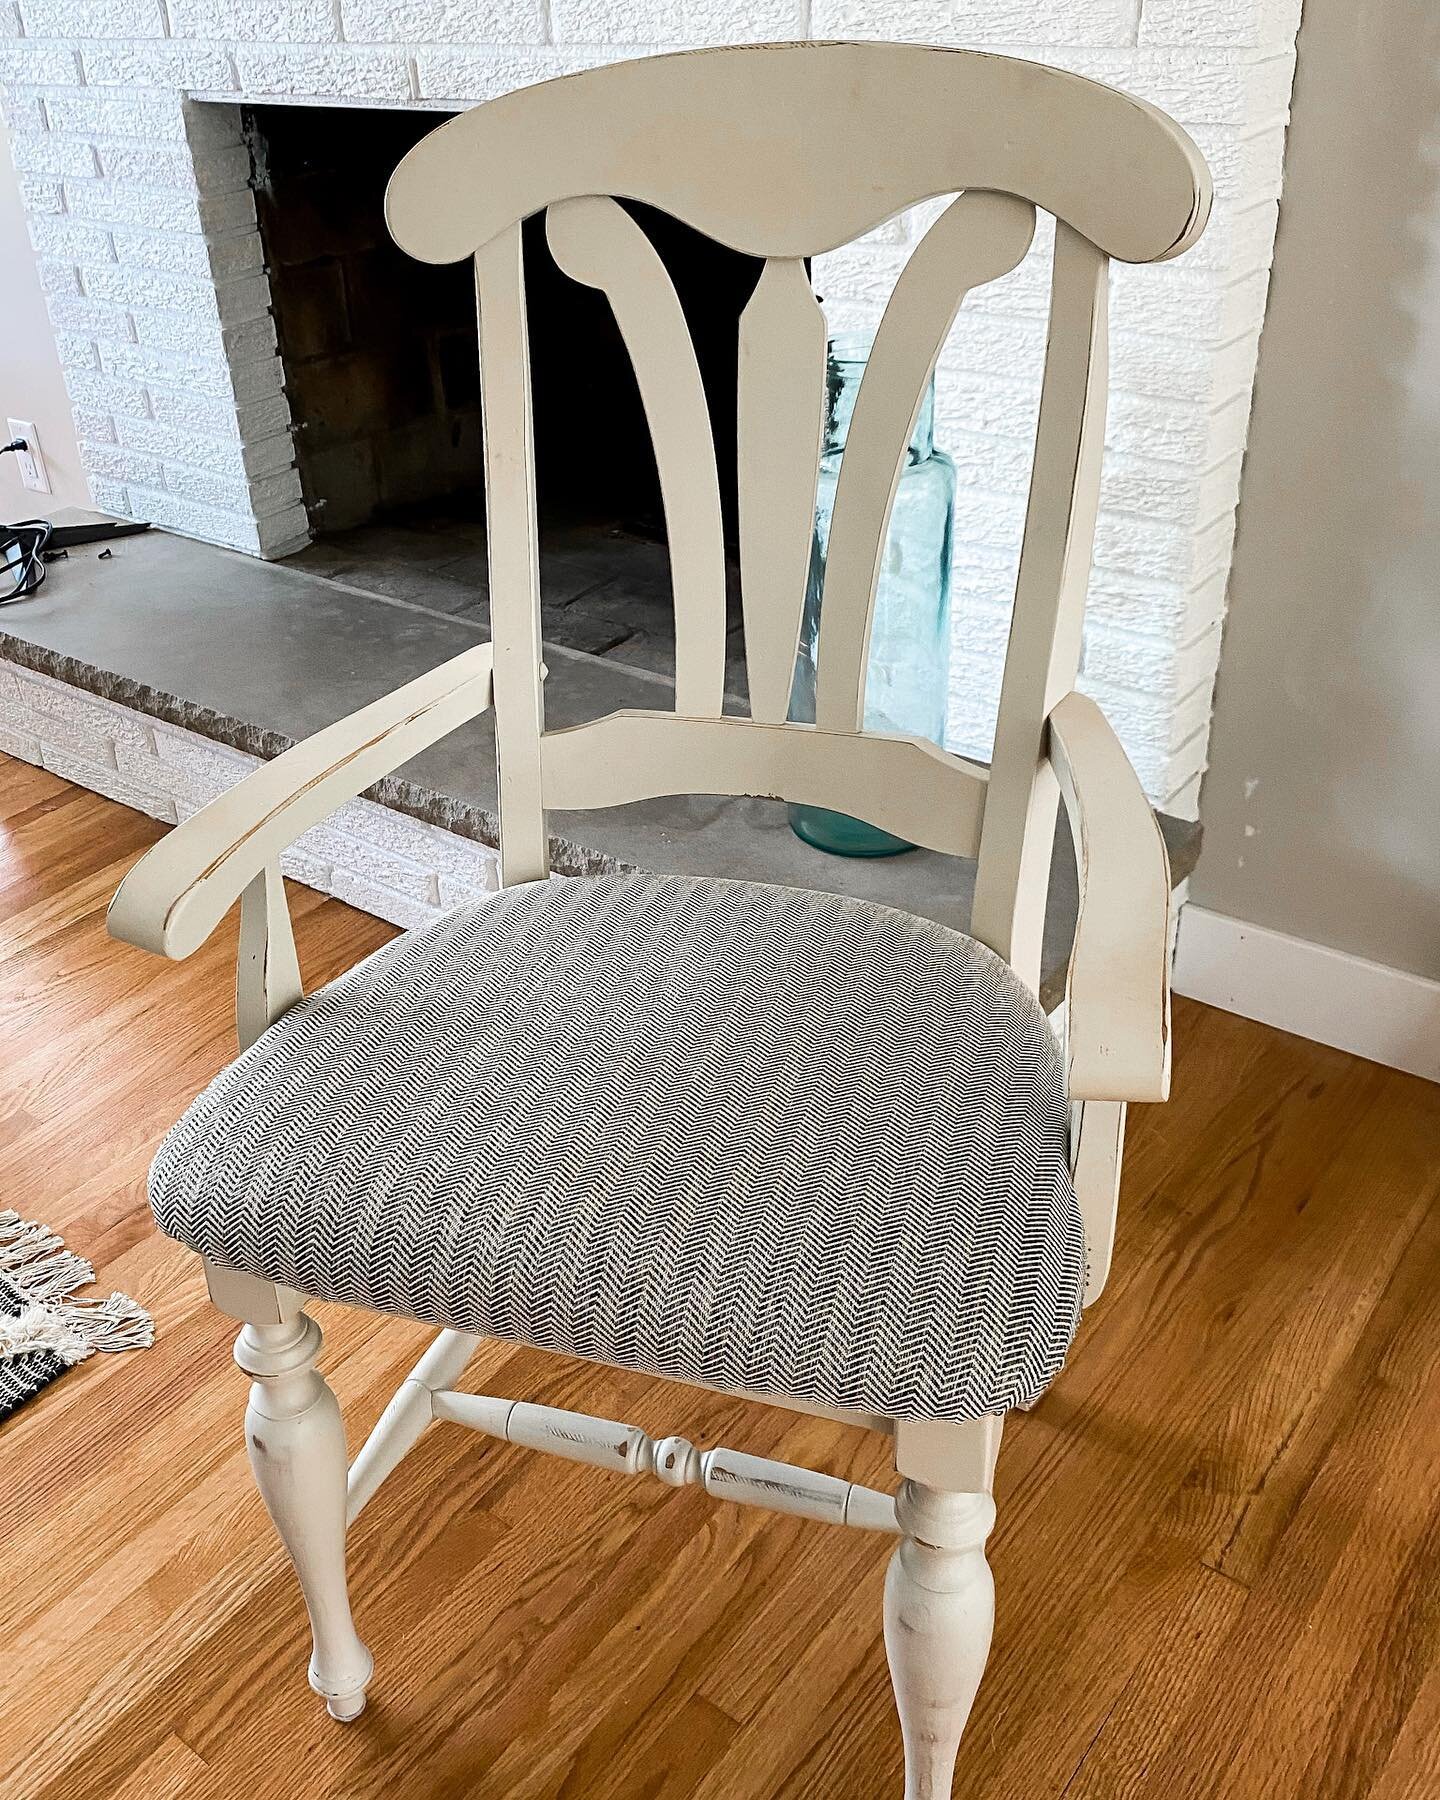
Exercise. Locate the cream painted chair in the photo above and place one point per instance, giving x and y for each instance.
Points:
(771, 1142)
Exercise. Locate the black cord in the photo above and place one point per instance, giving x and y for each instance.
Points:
(14, 444)
(22, 556)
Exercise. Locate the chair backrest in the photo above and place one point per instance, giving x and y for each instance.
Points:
(782, 152)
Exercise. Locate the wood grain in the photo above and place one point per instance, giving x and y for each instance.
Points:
(1216, 1559)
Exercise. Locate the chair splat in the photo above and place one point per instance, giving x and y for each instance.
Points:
(596, 242)
(978, 238)
(781, 404)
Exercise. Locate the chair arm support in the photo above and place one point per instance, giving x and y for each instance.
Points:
(178, 892)
(1118, 985)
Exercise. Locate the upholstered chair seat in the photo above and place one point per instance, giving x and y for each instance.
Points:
(753, 1137)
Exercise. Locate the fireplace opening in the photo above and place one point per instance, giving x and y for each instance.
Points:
(380, 362)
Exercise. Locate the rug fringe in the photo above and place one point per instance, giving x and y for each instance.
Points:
(34, 1260)
(118, 1323)
(41, 1273)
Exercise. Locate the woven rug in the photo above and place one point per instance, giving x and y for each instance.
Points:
(44, 1330)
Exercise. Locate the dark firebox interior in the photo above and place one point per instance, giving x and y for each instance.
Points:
(380, 366)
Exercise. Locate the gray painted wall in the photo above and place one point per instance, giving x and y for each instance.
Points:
(1322, 803)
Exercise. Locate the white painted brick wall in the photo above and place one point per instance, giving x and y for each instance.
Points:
(301, 71)
(144, 227)
(264, 21)
(102, 18)
(630, 22)
(443, 21)
(388, 864)
(150, 65)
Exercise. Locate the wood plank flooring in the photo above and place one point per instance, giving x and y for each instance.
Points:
(1218, 1553)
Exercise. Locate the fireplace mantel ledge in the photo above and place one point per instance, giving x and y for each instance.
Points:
(161, 674)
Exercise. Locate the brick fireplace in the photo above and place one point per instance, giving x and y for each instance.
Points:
(129, 133)
(380, 357)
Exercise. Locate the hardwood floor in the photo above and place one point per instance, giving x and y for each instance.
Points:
(1216, 1560)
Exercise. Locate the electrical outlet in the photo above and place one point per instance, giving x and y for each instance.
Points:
(29, 461)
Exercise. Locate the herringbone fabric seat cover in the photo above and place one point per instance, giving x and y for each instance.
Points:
(752, 1136)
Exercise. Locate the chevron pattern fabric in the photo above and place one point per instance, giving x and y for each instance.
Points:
(750, 1136)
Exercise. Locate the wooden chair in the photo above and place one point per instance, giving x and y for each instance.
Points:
(781, 152)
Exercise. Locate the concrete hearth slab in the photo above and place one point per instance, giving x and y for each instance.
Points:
(255, 655)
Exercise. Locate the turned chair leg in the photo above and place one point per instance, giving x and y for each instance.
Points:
(939, 1611)
(297, 1450)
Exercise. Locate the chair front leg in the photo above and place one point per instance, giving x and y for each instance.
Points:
(939, 1612)
(297, 1451)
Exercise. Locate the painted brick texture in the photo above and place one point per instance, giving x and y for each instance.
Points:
(144, 226)
(395, 867)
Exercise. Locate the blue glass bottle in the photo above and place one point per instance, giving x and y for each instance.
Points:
(908, 679)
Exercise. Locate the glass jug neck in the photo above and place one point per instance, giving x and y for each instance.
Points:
(846, 357)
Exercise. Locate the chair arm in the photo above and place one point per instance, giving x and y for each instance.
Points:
(1118, 986)
(178, 892)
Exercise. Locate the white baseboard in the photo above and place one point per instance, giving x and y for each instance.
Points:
(1387, 1015)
